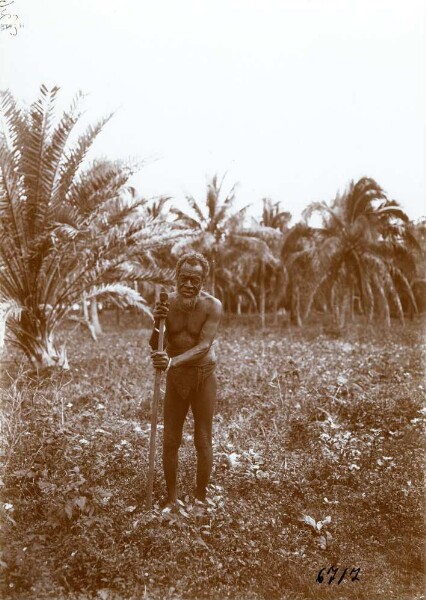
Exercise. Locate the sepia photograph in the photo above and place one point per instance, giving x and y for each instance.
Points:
(212, 299)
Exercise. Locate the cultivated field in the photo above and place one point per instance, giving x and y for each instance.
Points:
(319, 463)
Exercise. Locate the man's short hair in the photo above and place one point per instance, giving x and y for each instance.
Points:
(193, 258)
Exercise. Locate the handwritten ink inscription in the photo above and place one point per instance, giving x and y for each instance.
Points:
(332, 573)
(8, 21)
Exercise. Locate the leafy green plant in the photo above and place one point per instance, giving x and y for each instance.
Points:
(323, 536)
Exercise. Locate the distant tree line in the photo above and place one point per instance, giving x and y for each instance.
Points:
(74, 231)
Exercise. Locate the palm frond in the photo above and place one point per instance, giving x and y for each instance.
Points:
(73, 161)
(157, 206)
(136, 272)
(35, 170)
(121, 294)
(12, 201)
(359, 197)
(186, 220)
(196, 208)
(14, 122)
(59, 139)
(325, 211)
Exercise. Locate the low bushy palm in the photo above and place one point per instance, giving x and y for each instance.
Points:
(67, 228)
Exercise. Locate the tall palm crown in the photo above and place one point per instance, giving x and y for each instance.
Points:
(230, 246)
(365, 246)
(273, 217)
(215, 219)
(213, 225)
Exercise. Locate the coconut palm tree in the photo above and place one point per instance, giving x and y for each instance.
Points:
(213, 225)
(264, 273)
(244, 254)
(365, 246)
(65, 229)
(297, 257)
(274, 218)
(221, 234)
(262, 248)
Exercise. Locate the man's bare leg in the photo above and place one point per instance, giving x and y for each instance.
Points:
(203, 406)
(175, 411)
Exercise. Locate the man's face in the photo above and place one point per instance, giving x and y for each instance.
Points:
(190, 281)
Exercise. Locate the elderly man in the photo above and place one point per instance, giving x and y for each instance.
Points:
(192, 319)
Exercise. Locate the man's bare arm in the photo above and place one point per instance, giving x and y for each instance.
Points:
(206, 338)
(153, 340)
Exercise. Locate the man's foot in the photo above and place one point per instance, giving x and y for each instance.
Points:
(200, 496)
(167, 505)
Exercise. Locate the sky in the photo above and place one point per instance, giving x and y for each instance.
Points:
(291, 99)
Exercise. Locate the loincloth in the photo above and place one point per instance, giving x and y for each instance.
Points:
(186, 379)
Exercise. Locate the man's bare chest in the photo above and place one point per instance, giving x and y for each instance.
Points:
(191, 323)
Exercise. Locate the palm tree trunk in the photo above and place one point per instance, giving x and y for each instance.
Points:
(2, 327)
(262, 293)
(343, 310)
(298, 316)
(387, 315)
(38, 344)
(136, 288)
(85, 310)
(229, 302)
(295, 307)
(279, 289)
(238, 304)
(5, 311)
(384, 307)
(336, 305)
(252, 307)
(94, 316)
(275, 308)
(311, 296)
(87, 319)
(213, 277)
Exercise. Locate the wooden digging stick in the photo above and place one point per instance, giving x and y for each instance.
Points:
(154, 412)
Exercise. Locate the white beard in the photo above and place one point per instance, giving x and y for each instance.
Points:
(187, 305)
